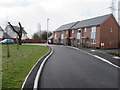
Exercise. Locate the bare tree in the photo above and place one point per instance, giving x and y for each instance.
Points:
(19, 32)
(41, 35)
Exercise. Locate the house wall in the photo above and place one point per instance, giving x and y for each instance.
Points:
(1, 34)
(58, 35)
(12, 34)
(24, 36)
(104, 34)
(110, 39)
(66, 35)
(86, 34)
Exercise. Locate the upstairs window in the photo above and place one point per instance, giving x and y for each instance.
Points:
(79, 30)
(66, 32)
(62, 35)
(72, 31)
(85, 29)
(93, 35)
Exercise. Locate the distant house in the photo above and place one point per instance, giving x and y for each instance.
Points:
(1, 33)
(9, 33)
(102, 32)
(50, 39)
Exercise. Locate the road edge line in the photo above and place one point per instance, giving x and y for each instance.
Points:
(32, 69)
(40, 71)
(96, 56)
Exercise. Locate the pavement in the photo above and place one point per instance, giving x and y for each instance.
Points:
(70, 68)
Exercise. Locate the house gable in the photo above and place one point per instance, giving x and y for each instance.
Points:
(109, 32)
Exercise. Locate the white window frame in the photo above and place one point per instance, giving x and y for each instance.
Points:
(72, 31)
(93, 32)
(111, 30)
(85, 29)
(93, 42)
(66, 32)
(62, 35)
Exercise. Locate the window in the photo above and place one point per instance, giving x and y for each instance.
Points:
(78, 41)
(110, 29)
(79, 30)
(93, 41)
(66, 32)
(93, 35)
(85, 30)
(62, 35)
(110, 42)
(78, 35)
(72, 31)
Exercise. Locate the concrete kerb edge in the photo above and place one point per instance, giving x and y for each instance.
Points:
(40, 70)
(34, 67)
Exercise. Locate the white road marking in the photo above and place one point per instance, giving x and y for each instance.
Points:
(116, 57)
(105, 60)
(92, 50)
(100, 58)
(40, 71)
(31, 71)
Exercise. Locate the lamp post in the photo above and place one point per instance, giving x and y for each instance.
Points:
(47, 28)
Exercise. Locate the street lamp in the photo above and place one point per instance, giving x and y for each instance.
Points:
(47, 28)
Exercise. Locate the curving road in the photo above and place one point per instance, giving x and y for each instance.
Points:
(70, 68)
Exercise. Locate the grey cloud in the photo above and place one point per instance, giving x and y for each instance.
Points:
(15, 4)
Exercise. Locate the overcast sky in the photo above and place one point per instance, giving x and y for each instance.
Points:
(32, 12)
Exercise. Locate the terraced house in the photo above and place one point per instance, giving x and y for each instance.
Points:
(102, 32)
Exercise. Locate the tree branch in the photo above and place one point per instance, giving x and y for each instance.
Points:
(13, 28)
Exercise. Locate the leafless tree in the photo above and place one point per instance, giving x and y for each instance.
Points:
(19, 32)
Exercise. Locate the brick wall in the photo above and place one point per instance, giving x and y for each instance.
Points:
(107, 36)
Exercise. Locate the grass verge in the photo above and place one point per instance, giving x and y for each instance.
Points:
(16, 68)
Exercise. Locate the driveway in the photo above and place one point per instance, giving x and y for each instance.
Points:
(70, 68)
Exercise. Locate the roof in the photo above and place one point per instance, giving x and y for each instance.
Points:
(1, 29)
(5, 35)
(50, 37)
(91, 22)
(18, 28)
(66, 26)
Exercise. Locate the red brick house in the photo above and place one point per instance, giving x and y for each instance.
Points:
(102, 32)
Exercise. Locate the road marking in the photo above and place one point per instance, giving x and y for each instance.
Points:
(100, 58)
(92, 50)
(105, 60)
(40, 71)
(31, 71)
(116, 57)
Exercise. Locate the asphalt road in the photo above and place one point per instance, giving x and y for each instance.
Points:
(70, 68)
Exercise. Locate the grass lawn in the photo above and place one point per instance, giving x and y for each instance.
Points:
(16, 68)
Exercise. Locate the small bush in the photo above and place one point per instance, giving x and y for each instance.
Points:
(114, 52)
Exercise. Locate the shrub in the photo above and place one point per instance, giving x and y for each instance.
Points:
(114, 52)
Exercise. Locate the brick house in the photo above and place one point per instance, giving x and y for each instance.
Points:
(62, 34)
(102, 32)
